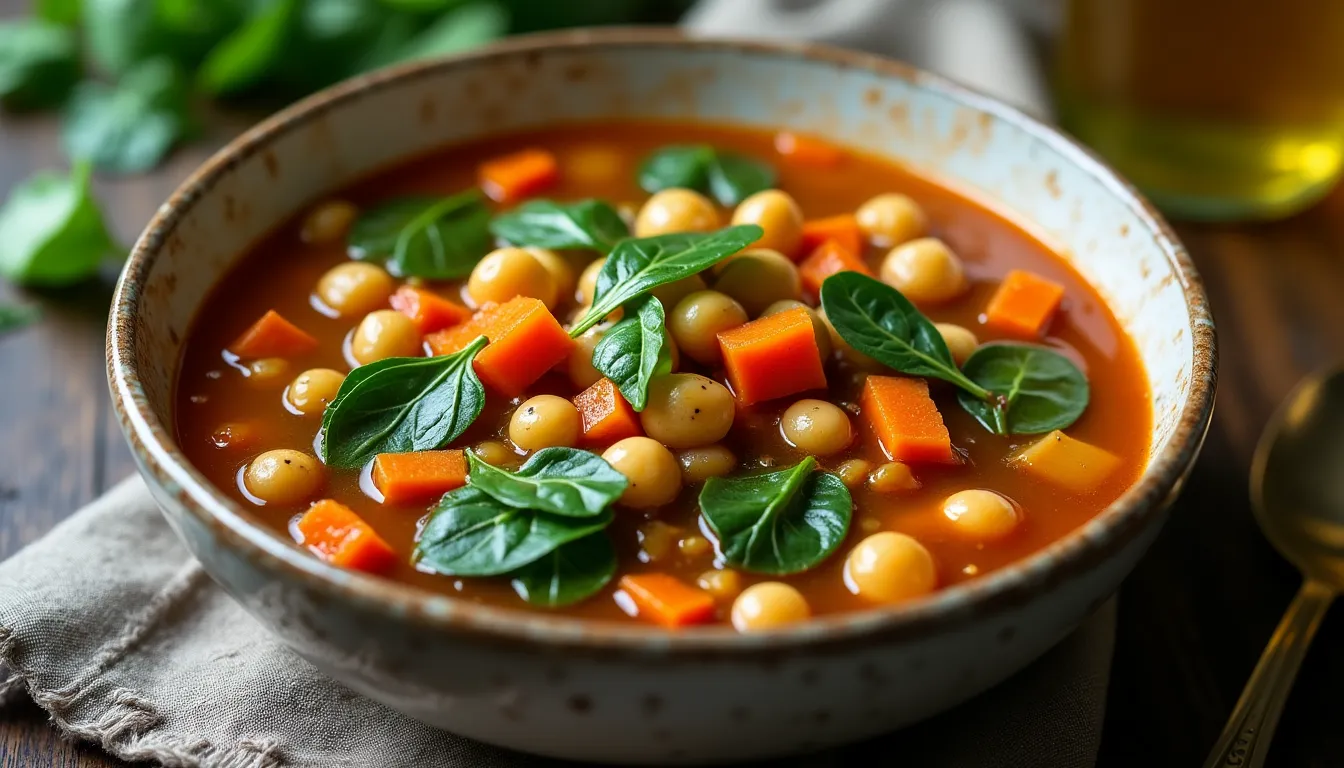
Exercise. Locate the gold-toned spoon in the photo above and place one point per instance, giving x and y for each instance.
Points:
(1297, 491)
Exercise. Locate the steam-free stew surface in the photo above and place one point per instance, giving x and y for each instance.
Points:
(602, 161)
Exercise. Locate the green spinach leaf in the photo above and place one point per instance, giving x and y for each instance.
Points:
(39, 63)
(437, 238)
(634, 351)
(1035, 388)
(562, 481)
(63, 12)
(51, 231)
(728, 176)
(130, 127)
(637, 265)
(251, 51)
(402, 404)
(459, 29)
(780, 522)
(571, 573)
(16, 316)
(733, 178)
(547, 224)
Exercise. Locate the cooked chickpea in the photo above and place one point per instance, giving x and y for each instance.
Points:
(313, 390)
(383, 334)
(700, 464)
(819, 327)
(505, 273)
(686, 410)
(694, 546)
(758, 278)
(672, 293)
(816, 427)
(925, 270)
(854, 473)
(778, 214)
(582, 374)
(588, 281)
(495, 453)
(354, 288)
(562, 273)
(653, 472)
(768, 605)
(893, 477)
(545, 421)
(696, 321)
(889, 567)
(267, 372)
(891, 219)
(721, 585)
(960, 342)
(328, 222)
(284, 477)
(657, 539)
(981, 515)
(676, 210)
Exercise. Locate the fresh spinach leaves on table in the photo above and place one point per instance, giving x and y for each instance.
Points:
(569, 574)
(561, 481)
(588, 223)
(728, 176)
(39, 63)
(129, 127)
(634, 351)
(51, 231)
(437, 238)
(251, 50)
(1038, 390)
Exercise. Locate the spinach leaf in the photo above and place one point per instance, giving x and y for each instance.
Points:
(562, 481)
(39, 63)
(571, 573)
(51, 231)
(251, 51)
(16, 316)
(780, 522)
(637, 265)
(120, 33)
(547, 224)
(878, 321)
(438, 238)
(130, 127)
(459, 29)
(402, 404)
(63, 12)
(1035, 388)
(634, 351)
(470, 533)
(728, 176)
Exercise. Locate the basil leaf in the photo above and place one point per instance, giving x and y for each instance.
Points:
(247, 55)
(16, 316)
(574, 572)
(733, 177)
(51, 231)
(728, 176)
(547, 224)
(459, 29)
(470, 533)
(780, 522)
(130, 127)
(402, 404)
(438, 238)
(1035, 388)
(634, 351)
(637, 265)
(39, 63)
(562, 481)
(878, 321)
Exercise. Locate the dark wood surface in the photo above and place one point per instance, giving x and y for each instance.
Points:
(1193, 617)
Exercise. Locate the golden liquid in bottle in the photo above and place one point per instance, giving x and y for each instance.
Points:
(1216, 109)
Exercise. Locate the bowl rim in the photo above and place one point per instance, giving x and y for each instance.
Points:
(1125, 519)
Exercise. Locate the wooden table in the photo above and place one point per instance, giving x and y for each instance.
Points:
(1193, 617)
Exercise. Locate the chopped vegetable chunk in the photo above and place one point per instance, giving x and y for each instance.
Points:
(422, 476)
(429, 311)
(828, 258)
(522, 174)
(905, 419)
(525, 341)
(665, 600)
(273, 336)
(336, 534)
(808, 151)
(843, 229)
(607, 417)
(1064, 461)
(773, 356)
(1024, 304)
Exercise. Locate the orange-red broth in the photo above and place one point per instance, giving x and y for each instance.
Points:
(282, 271)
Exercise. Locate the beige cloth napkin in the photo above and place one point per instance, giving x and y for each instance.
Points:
(111, 626)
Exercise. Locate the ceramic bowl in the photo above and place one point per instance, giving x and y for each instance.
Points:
(635, 694)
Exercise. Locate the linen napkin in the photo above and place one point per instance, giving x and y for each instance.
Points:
(113, 628)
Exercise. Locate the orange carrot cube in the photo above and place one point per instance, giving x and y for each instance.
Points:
(843, 229)
(773, 356)
(522, 174)
(525, 342)
(829, 258)
(905, 419)
(420, 476)
(1024, 304)
(429, 311)
(667, 601)
(334, 533)
(607, 417)
(273, 336)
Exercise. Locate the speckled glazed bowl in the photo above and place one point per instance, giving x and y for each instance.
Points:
(632, 694)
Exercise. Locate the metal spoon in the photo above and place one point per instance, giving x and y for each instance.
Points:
(1297, 491)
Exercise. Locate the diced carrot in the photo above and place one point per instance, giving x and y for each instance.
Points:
(429, 311)
(607, 417)
(666, 600)
(807, 150)
(829, 258)
(525, 341)
(905, 419)
(1024, 304)
(524, 173)
(773, 356)
(333, 532)
(273, 336)
(843, 229)
(421, 476)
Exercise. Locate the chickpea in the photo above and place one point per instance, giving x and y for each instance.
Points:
(545, 421)
(758, 278)
(313, 390)
(960, 342)
(722, 585)
(672, 293)
(694, 546)
(676, 210)
(508, 272)
(893, 477)
(700, 464)
(354, 288)
(588, 281)
(854, 472)
(776, 213)
(696, 321)
(653, 472)
(982, 515)
(890, 567)
(562, 274)
(687, 410)
(657, 539)
(267, 372)
(328, 222)
(891, 219)
(816, 427)
(284, 477)
(769, 605)
(582, 374)
(495, 453)
(383, 334)
(819, 327)
(925, 270)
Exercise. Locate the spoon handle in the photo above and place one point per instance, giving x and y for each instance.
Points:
(1245, 740)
